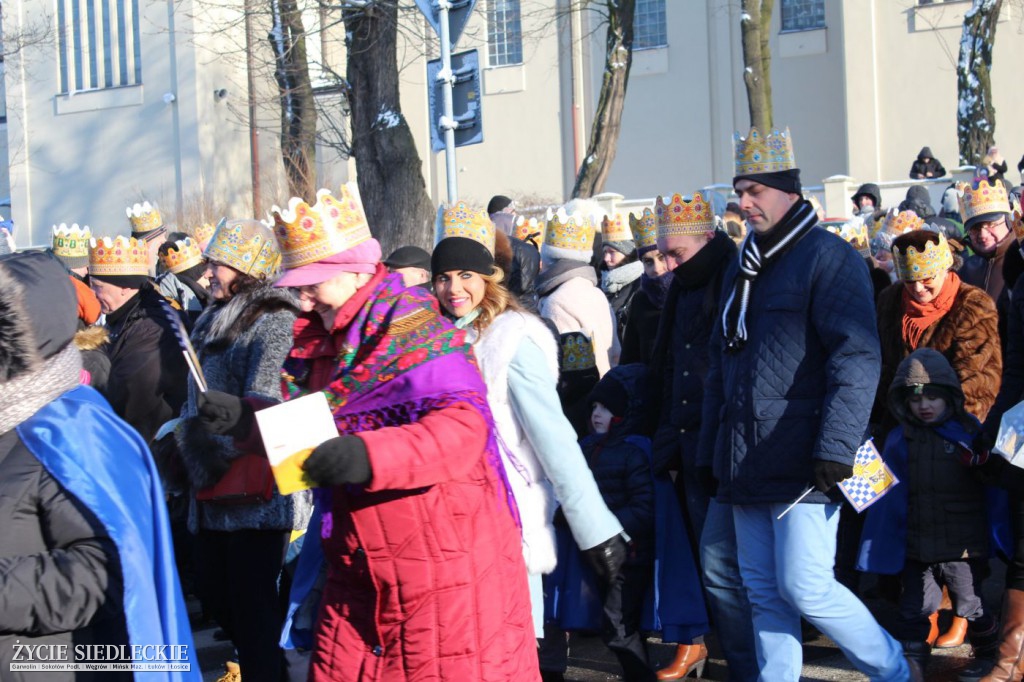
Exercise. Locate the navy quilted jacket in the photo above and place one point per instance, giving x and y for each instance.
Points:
(802, 387)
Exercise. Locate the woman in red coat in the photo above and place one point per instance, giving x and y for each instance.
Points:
(425, 575)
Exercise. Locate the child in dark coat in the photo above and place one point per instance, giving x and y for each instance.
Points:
(943, 535)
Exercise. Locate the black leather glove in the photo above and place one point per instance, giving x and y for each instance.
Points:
(707, 481)
(337, 461)
(607, 558)
(827, 474)
(224, 414)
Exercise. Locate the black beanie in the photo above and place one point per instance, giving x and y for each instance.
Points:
(612, 394)
(461, 253)
(47, 299)
(497, 204)
(786, 181)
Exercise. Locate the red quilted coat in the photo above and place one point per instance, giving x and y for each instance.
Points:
(425, 579)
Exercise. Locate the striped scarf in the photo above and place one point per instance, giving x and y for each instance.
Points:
(754, 255)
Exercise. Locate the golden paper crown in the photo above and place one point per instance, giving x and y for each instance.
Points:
(71, 242)
(204, 233)
(181, 255)
(1018, 225)
(528, 230)
(573, 233)
(914, 265)
(981, 199)
(899, 222)
(118, 256)
(307, 234)
(615, 229)
(763, 154)
(577, 352)
(144, 217)
(644, 228)
(461, 220)
(245, 245)
(684, 217)
(854, 231)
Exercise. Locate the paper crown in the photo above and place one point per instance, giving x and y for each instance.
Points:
(644, 228)
(854, 231)
(71, 244)
(569, 236)
(528, 230)
(763, 154)
(461, 220)
(684, 217)
(899, 222)
(615, 229)
(204, 233)
(144, 218)
(118, 256)
(913, 265)
(577, 352)
(982, 198)
(245, 245)
(307, 234)
(181, 255)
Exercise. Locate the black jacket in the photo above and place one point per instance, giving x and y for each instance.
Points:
(920, 168)
(641, 331)
(54, 543)
(522, 280)
(147, 383)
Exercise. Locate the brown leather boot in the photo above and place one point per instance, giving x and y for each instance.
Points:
(954, 636)
(688, 657)
(933, 631)
(1010, 660)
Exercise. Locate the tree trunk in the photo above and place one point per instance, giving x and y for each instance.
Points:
(388, 167)
(604, 136)
(298, 106)
(976, 116)
(755, 29)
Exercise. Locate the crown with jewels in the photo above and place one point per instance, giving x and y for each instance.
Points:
(982, 198)
(245, 245)
(144, 218)
(204, 233)
(528, 229)
(899, 222)
(181, 255)
(71, 244)
(615, 229)
(307, 234)
(644, 228)
(569, 233)
(577, 352)
(759, 153)
(1018, 225)
(118, 256)
(913, 265)
(854, 231)
(684, 217)
(461, 220)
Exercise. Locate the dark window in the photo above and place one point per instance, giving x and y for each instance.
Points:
(803, 15)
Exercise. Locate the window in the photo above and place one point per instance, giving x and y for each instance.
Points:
(803, 15)
(504, 33)
(98, 44)
(649, 27)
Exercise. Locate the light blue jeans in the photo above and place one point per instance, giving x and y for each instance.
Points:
(787, 568)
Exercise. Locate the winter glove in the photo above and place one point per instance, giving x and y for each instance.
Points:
(607, 558)
(827, 474)
(337, 461)
(978, 453)
(707, 481)
(224, 414)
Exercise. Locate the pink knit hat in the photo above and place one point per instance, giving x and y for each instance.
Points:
(362, 257)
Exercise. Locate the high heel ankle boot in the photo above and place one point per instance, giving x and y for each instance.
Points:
(688, 657)
(954, 636)
(1009, 665)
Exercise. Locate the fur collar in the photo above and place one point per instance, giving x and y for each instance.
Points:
(223, 322)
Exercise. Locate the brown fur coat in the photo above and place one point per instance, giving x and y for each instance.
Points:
(967, 336)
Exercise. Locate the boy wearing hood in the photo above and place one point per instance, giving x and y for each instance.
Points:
(933, 527)
(926, 166)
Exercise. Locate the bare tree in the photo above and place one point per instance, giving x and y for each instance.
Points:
(976, 115)
(604, 135)
(388, 166)
(755, 28)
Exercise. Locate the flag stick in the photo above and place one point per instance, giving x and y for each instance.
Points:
(795, 502)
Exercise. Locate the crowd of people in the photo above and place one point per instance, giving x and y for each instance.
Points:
(587, 422)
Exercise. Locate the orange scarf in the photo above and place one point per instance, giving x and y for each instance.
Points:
(919, 316)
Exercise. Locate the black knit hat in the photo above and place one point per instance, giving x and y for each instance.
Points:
(612, 394)
(461, 253)
(498, 203)
(785, 180)
(40, 307)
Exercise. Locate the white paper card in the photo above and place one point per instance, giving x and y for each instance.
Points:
(290, 432)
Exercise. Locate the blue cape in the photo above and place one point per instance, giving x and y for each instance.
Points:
(107, 466)
(883, 544)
